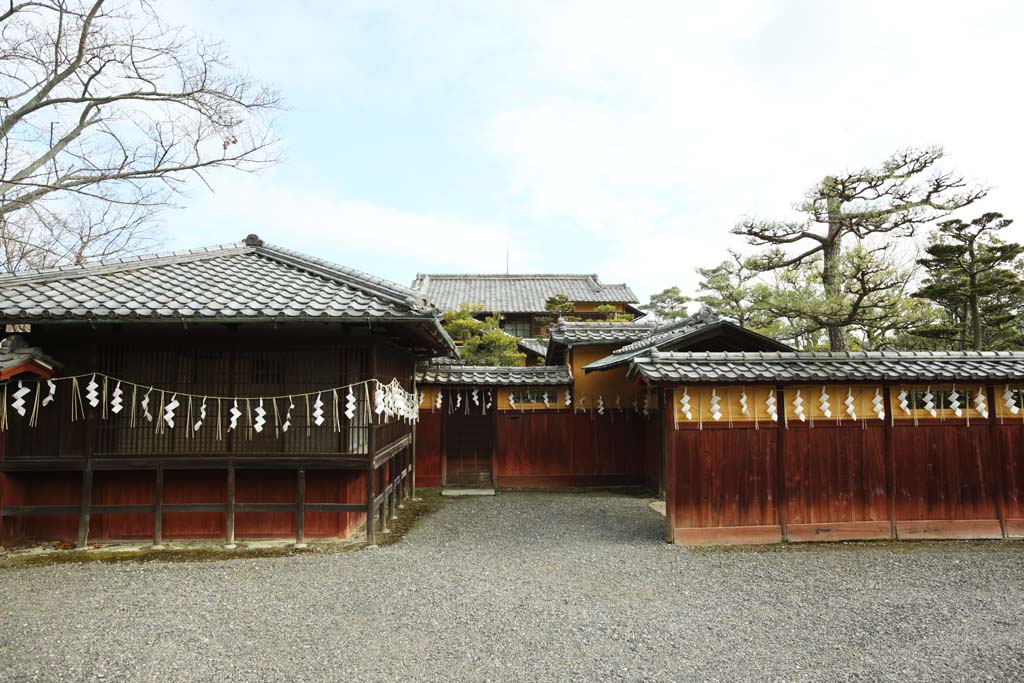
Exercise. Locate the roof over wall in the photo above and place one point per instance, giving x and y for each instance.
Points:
(516, 293)
(16, 357)
(786, 367)
(700, 327)
(246, 282)
(597, 333)
(481, 375)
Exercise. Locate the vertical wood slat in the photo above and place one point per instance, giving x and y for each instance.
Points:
(890, 462)
(371, 472)
(996, 449)
(86, 504)
(780, 472)
(229, 510)
(300, 509)
(158, 509)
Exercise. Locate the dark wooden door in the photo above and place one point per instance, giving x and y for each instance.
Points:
(468, 445)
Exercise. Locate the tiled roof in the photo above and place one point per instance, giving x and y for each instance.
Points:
(668, 331)
(516, 293)
(893, 366)
(15, 351)
(679, 333)
(533, 345)
(592, 332)
(244, 282)
(494, 376)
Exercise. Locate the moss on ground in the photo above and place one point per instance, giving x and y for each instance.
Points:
(409, 517)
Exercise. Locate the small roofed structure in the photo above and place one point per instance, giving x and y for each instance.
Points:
(527, 426)
(221, 368)
(17, 357)
(764, 447)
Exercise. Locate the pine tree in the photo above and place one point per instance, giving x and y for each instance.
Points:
(974, 277)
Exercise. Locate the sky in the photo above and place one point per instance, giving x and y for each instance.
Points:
(624, 139)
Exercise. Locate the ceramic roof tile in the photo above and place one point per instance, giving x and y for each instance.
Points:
(14, 351)
(494, 376)
(247, 280)
(517, 293)
(592, 332)
(892, 366)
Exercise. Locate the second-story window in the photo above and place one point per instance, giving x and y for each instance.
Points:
(517, 328)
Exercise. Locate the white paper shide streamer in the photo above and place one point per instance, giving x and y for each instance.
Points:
(929, 402)
(850, 403)
(1010, 401)
(716, 409)
(261, 415)
(904, 398)
(980, 404)
(878, 405)
(798, 406)
(684, 404)
(116, 402)
(826, 407)
(169, 409)
(954, 403)
(19, 398)
(318, 410)
(771, 406)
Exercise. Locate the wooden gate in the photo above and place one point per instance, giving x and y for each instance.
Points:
(468, 450)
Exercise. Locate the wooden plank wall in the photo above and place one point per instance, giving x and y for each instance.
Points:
(181, 486)
(870, 480)
(555, 448)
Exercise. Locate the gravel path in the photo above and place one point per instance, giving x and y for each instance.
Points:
(528, 587)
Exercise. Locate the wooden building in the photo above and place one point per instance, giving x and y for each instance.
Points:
(579, 421)
(520, 300)
(519, 427)
(770, 447)
(138, 436)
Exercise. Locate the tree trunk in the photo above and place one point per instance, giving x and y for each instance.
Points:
(830, 274)
(975, 314)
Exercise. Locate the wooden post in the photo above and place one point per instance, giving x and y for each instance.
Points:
(384, 500)
(395, 472)
(890, 461)
(403, 477)
(371, 525)
(300, 509)
(229, 509)
(668, 462)
(996, 449)
(158, 510)
(86, 504)
(412, 447)
(780, 460)
(663, 466)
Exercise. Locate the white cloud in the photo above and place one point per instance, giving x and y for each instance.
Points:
(639, 134)
(657, 131)
(352, 232)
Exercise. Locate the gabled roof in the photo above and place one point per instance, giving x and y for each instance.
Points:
(700, 328)
(244, 281)
(17, 357)
(482, 375)
(787, 367)
(516, 293)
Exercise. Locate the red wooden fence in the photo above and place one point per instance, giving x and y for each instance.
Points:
(555, 448)
(864, 480)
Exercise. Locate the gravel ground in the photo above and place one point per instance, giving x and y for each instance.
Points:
(528, 587)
